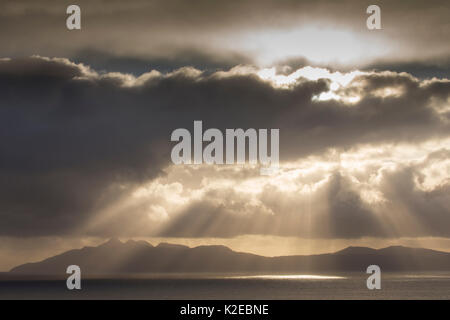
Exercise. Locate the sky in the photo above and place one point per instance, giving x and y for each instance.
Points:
(86, 117)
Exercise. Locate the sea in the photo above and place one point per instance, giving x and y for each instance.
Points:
(346, 286)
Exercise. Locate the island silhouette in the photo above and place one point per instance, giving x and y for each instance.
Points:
(138, 257)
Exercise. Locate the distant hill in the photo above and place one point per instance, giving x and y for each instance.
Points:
(116, 257)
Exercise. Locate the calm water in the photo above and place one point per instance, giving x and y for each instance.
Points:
(340, 286)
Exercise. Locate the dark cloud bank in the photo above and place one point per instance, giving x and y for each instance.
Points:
(72, 140)
(173, 33)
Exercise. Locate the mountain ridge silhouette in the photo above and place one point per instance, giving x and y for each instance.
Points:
(117, 257)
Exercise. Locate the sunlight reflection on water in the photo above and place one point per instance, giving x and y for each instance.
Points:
(289, 277)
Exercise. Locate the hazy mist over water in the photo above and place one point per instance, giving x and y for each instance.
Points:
(249, 287)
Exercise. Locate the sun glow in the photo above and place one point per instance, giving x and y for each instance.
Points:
(317, 44)
(337, 78)
(337, 81)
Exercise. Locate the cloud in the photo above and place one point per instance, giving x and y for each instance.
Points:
(426, 211)
(75, 140)
(205, 61)
(384, 196)
(260, 31)
(227, 213)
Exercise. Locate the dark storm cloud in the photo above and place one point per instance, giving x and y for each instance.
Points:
(428, 207)
(67, 137)
(439, 68)
(101, 60)
(374, 119)
(172, 29)
(72, 139)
